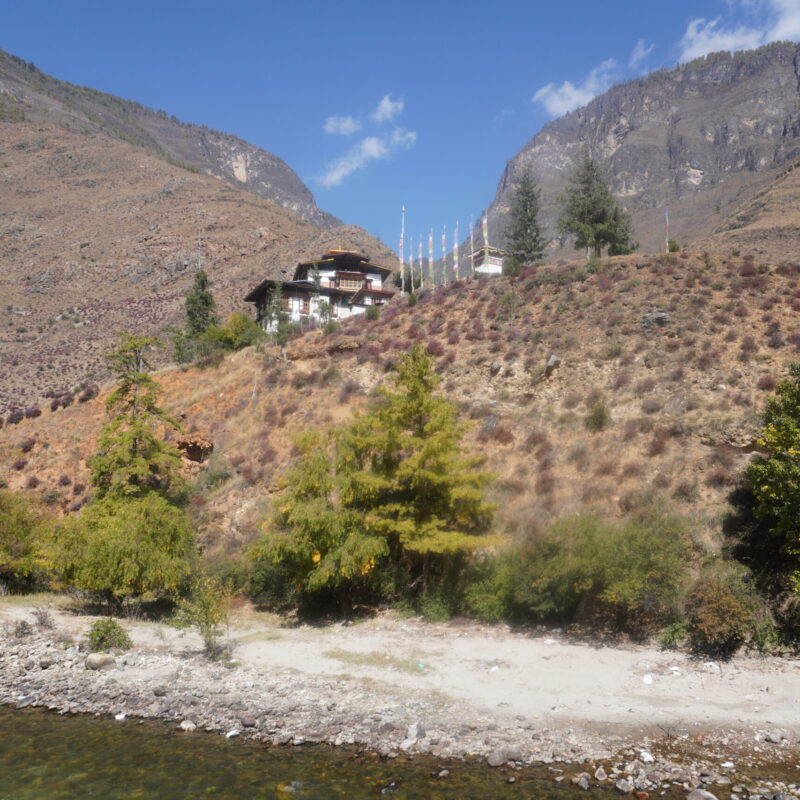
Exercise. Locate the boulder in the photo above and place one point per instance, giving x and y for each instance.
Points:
(700, 794)
(552, 363)
(100, 661)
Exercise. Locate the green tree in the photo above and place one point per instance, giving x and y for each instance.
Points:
(525, 239)
(132, 459)
(206, 608)
(775, 480)
(592, 214)
(199, 306)
(319, 540)
(392, 490)
(24, 527)
(279, 323)
(126, 547)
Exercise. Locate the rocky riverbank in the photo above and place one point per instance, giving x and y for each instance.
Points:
(281, 705)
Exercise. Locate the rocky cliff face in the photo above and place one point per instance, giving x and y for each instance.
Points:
(699, 138)
(27, 94)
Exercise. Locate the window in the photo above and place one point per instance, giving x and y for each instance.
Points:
(349, 283)
(304, 306)
(287, 304)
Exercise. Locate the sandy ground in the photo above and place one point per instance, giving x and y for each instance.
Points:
(498, 673)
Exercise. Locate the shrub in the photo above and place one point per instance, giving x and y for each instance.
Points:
(651, 405)
(659, 442)
(725, 613)
(32, 482)
(599, 416)
(19, 464)
(122, 548)
(27, 444)
(766, 383)
(206, 609)
(686, 490)
(24, 528)
(372, 313)
(435, 348)
(107, 634)
(630, 575)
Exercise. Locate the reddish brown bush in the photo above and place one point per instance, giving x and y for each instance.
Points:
(20, 464)
(27, 444)
(64, 480)
(766, 383)
(651, 405)
(659, 442)
(32, 482)
(632, 469)
(545, 483)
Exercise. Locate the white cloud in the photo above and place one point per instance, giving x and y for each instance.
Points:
(639, 53)
(371, 148)
(559, 100)
(387, 109)
(706, 36)
(346, 126)
(779, 20)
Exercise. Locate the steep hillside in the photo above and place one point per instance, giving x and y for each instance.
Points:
(28, 94)
(97, 235)
(681, 350)
(702, 138)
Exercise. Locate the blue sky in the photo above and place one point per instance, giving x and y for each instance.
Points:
(380, 104)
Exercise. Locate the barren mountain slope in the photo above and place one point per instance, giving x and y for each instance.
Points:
(700, 138)
(682, 350)
(766, 224)
(97, 236)
(27, 93)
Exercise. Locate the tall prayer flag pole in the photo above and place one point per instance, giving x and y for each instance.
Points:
(402, 259)
(444, 253)
(411, 259)
(430, 258)
(455, 252)
(471, 245)
(666, 246)
(421, 267)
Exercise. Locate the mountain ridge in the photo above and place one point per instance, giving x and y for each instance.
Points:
(28, 94)
(701, 138)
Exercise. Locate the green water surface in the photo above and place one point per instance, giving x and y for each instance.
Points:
(44, 756)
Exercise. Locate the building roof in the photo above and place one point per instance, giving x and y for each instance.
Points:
(331, 258)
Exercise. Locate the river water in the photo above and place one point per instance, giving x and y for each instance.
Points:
(44, 756)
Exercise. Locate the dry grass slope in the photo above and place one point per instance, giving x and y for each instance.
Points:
(679, 352)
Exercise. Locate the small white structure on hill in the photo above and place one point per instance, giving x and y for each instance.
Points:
(347, 282)
(488, 260)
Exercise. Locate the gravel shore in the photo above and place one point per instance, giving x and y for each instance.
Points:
(639, 718)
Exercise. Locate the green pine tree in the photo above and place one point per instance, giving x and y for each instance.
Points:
(199, 306)
(592, 214)
(525, 239)
(393, 490)
(132, 459)
(133, 538)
